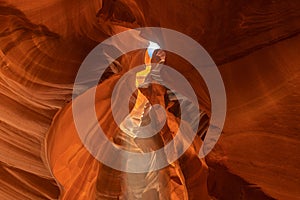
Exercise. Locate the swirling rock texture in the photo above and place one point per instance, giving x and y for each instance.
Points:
(255, 45)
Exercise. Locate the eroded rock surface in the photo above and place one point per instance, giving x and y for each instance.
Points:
(255, 45)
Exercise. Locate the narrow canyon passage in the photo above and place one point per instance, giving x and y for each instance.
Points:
(255, 45)
(67, 155)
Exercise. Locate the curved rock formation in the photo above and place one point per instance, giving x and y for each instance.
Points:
(255, 45)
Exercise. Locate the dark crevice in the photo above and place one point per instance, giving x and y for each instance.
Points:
(224, 185)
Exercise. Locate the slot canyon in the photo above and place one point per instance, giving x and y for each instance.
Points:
(254, 45)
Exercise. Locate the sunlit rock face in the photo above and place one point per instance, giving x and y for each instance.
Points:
(255, 45)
